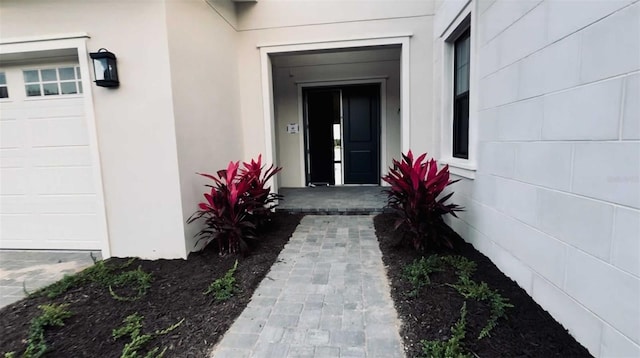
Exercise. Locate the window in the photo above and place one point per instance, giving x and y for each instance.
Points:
(4, 91)
(52, 81)
(461, 61)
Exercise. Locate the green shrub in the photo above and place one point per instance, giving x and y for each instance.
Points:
(52, 315)
(133, 329)
(223, 287)
(462, 266)
(237, 203)
(481, 292)
(417, 273)
(416, 197)
(453, 347)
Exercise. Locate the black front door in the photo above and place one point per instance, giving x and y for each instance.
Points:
(322, 111)
(361, 121)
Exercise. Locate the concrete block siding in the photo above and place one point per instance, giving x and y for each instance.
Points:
(556, 198)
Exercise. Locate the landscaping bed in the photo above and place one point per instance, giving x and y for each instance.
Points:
(429, 312)
(173, 312)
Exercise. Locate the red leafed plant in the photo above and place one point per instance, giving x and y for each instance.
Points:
(416, 187)
(237, 203)
(263, 199)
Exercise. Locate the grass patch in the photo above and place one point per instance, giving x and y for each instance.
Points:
(453, 347)
(132, 328)
(110, 276)
(222, 288)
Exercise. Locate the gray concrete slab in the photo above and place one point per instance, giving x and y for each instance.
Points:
(31, 270)
(327, 295)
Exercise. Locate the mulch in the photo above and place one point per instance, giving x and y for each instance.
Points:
(528, 331)
(176, 293)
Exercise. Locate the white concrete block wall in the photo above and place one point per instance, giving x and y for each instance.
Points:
(555, 202)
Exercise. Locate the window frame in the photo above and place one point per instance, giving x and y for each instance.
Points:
(5, 85)
(77, 80)
(458, 150)
(452, 29)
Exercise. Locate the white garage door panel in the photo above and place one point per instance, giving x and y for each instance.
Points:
(14, 181)
(12, 158)
(48, 193)
(16, 204)
(48, 204)
(18, 227)
(61, 156)
(12, 134)
(61, 180)
(67, 204)
(51, 227)
(68, 227)
(54, 107)
(58, 132)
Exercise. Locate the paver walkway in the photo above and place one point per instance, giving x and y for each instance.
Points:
(326, 296)
(336, 200)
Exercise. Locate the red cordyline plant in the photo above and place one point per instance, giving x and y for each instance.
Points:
(237, 203)
(416, 186)
(258, 191)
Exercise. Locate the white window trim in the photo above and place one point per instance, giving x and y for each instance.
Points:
(458, 166)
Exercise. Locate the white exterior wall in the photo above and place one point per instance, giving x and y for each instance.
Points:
(204, 81)
(270, 23)
(380, 67)
(556, 196)
(135, 126)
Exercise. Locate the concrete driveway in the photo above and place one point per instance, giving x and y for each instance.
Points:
(30, 270)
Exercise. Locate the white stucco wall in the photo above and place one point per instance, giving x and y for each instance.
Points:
(556, 198)
(382, 65)
(135, 127)
(204, 72)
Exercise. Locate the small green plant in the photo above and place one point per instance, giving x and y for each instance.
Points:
(105, 275)
(453, 347)
(137, 278)
(417, 272)
(10, 355)
(222, 288)
(133, 329)
(462, 266)
(481, 292)
(53, 315)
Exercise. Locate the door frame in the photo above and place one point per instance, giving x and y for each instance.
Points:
(266, 70)
(382, 83)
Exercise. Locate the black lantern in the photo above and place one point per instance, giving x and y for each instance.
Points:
(104, 68)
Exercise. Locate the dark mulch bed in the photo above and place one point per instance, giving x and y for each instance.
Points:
(529, 330)
(176, 293)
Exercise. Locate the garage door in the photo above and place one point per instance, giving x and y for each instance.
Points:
(47, 190)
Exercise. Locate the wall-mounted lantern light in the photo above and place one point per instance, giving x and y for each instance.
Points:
(104, 68)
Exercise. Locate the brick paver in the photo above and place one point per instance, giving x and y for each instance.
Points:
(326, 296)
